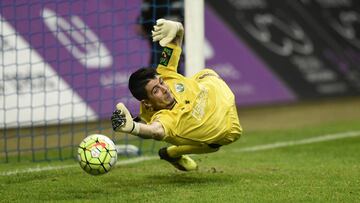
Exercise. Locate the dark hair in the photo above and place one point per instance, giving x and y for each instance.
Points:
(138, 81)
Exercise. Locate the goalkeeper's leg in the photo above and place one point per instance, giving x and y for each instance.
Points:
(176, 155)
(177, 151)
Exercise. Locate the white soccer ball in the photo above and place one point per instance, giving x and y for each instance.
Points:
(97, 154)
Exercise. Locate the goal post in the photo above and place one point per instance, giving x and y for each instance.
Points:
(194, 36)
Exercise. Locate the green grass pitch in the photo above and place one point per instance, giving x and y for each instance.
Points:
(323, 171)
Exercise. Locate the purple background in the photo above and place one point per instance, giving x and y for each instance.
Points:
(115, 25)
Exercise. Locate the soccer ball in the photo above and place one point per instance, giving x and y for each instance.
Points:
(97, 154)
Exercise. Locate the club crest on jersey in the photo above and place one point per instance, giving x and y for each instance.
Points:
(179, 87)
(165, 56)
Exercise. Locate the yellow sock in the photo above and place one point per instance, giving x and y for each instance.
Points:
(176, 151)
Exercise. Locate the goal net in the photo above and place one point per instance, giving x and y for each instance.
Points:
(65, 65)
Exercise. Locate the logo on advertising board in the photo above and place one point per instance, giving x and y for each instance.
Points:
(339, 21)
(244, 72)
(26, 78)
(78, 39)
(280, 34)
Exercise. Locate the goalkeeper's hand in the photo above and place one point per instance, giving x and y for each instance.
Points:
(122, 121)
(166, 30)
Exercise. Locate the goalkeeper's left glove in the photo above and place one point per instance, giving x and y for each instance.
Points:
(166, 30)
(122, 121)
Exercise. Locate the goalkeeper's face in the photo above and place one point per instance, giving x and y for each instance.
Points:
(159, 95)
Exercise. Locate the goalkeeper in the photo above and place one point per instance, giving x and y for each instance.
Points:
(196, 115)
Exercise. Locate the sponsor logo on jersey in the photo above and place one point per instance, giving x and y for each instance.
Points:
(200, 103)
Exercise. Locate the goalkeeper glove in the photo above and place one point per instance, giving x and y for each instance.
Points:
(122, 121)
(166, 30)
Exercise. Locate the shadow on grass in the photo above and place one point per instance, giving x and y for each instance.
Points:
(183, 178)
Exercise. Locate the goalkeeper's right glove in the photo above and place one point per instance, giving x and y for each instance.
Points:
(166, 30)
(122, 121)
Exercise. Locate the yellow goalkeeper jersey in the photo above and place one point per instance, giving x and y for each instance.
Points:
(203, 103)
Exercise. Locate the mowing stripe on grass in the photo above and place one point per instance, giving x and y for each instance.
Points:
(50, 168)
(322, 138)
(275, 145)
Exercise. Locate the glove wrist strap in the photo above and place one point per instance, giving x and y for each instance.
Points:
(135, 129)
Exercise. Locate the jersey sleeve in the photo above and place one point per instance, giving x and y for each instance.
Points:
(167, 120)
(169, 59)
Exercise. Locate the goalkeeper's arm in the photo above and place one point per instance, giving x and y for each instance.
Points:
(153, 131)
(167, 31)
(122, 122)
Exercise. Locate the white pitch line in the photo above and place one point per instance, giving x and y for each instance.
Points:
(322, 138)
(50, 168)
